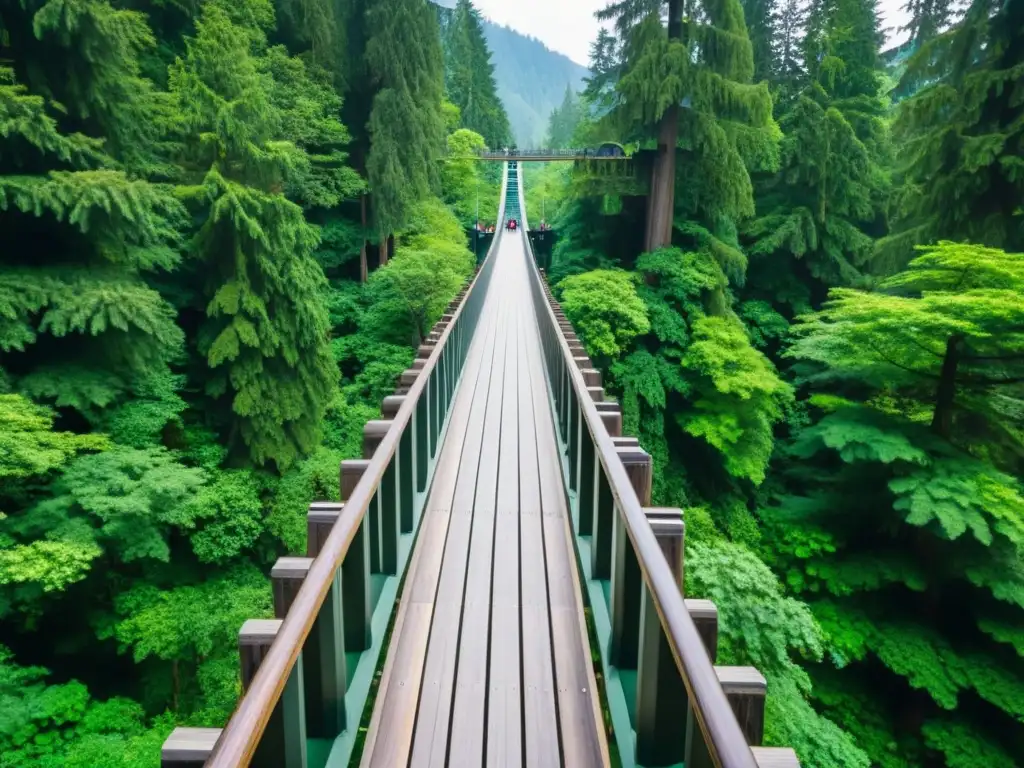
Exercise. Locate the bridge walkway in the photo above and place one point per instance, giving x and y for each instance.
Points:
(489, 662)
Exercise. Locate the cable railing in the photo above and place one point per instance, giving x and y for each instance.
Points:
(683, 707)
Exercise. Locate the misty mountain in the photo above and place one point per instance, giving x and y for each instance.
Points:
(531, 78)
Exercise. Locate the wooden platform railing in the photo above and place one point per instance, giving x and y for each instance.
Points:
(306, 674)
(669, 702)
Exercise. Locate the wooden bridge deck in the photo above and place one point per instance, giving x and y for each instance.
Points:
(489, 662)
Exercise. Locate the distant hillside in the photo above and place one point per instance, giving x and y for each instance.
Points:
(531, 78)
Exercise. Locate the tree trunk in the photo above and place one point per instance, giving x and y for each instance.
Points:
(384, 241)
(364, 270)
(945, 396)
(661, 202)
(662, 196)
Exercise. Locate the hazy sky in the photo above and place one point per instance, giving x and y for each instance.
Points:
(569, 26)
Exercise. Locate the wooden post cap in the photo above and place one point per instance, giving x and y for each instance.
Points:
(775, 757)
(626, 442)
(582, 361)
(612, 421)
(188, 747)
(373, 434)
(408, 377)
(591, 377)
(351, 473)
(596, 394)
(640, 468)
(670, 532)
(254, 641)
(705, 617)
(391, 405)
(320, 519)
(286, 579)
(424, 351)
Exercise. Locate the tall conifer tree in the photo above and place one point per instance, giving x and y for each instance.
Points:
(265, 336)
(961, 137)
(469, 77)
(690, 86)
(406, 125)
(823, 206)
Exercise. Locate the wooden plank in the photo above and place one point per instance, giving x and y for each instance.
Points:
(430, 739)
(389, 738)
(539, 712)
(467, 738)
(504, 696)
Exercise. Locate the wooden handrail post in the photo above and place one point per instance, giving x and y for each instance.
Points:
(320, 519)
(660, 694)
(705, 617)
(611, 415)
(188, 747)
(596, 394)
(373, 434)
(670, 532)
(390, 406)
(286, 579)
(746, 688)
(352, 471)
(626, 581)
(324, 673)
(284, 739)
(592, 377)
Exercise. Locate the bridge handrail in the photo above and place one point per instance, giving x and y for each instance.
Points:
(241, 737)
(726, 744)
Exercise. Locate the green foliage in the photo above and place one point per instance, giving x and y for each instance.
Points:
(737, 396)
(606, 309)
(761, 626)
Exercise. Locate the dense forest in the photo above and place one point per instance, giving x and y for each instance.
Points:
(225, 228)
(825, 356)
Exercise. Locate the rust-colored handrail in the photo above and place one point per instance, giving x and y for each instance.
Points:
(713, 714)
(241, 736)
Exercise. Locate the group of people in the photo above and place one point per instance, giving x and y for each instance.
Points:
(511, 225)
(481, 227)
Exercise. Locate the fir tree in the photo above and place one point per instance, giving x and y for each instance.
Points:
(690, 85)
(825, 203)
(961, 163)
(927, 18)
(762, 18)
(406, 126)
(604, 69)
(469, 77)
(265, 334)
(563, 121)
